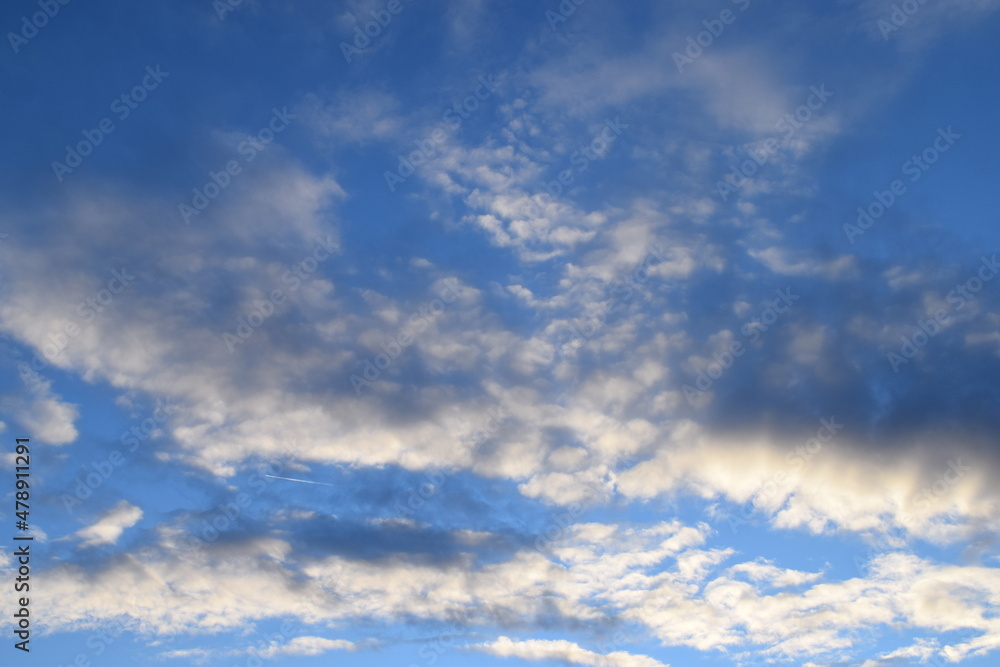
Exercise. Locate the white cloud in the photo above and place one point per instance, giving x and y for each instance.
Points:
(44, 416)
(921, 650)
(762, 572)
(562, 651)
(197, 654)
(297, 646)
(578, 405)
(784, 262)
(309, 646)
(661, 577)
(110, 526)
(823, 486)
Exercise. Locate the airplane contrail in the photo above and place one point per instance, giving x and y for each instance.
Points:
(304, 481)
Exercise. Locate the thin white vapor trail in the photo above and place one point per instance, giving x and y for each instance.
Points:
(304, 481)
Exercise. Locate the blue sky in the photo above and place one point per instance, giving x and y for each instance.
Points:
(516, 333)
